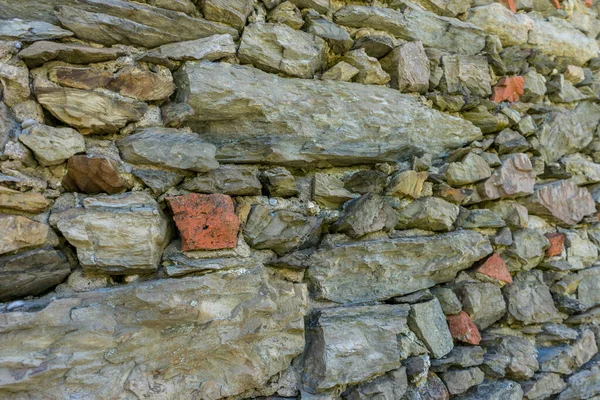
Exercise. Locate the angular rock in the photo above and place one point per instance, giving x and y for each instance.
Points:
(280, 231)
(277, 48)
(529, 300)
(168, 147)
(116, 235)
(515, 178)
(20, 233)
(279, 182)
(230, 12)
(460, 356)
(459, 381)
(566, 359)
(175, 114)
(51, 145)
(584, 384)
(366, 181)
(41, 52)
(205, 222)
(448, 300)
(520, 355)
(131, 331)
(31, 273)
(30, 202)
(338, 38)
(562, 202)
(240, 99)
(509, 141)
(494, 268)
(471, 169)
(328, 191)
(92, 174)
(143, 85)
(560, 90)
(373, 348)
(556, 241)
(431, 388)
(447, 8)
(494, 390)
(416, 24)
(30, 31)
(463, 329)
(90, 111)
(482, 218)
(512, 29)
(514, 214)
(374, 45)
(542, 386)
(467, 75)
(428, 322)
(392, 385)
(341, 71)
(321, 6)
(133, 23)
(210, 48)
(482, 301)
(14, 79)
(369, 69)
(408, 66)
(286, 13)
(369, 213)
(227, 179)
(350, 272)
(582, 169)
(407, 184)
(428, 213)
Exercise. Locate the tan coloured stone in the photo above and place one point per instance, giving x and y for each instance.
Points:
(407, 184)
(92, 174)
(20, 233)
(471, 169)
(51, 145)
(27, 202)
(408, 67)
(341, 71)
(369, 69)
(14, 78)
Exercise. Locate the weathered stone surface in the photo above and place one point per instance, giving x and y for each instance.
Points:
(460, 356)
(21, 233)
(514, 214)
(471, 169)
(369, 213)
(509, 141)
(583, 170)
(351, 344)
(482, 218)
(130, 332)
(448, 8)
(328, 191)
(28, 202)
(280, 231)
(459, 381)
(512, 29)
(279, 48)
(520, 355)
(584, 384)
(175, 114)
(92, 174)
(564, 131)
(556, 36)
(205, 221)
(408, 66)
(341, 71)
(407, 184)
(227, 179)
(515, 178)
(219, 93)
(565, 359)
(133, 23)
(463, 329)
(369, 69)
(529, 300)
(279, 182)
(90, 111)
(448, 300)
(375, 45)
(30, 31)
(350, 272)
(143, 84)
(41, 52)
(31, 273)
(527, 250)
(338, 38)
(416, 24)
(230, 12)
(366, 181)
(286, 13)
(321, 6)
(482, 301)
(51, 145)
(431, 388)
(467, 75)
(562, 201)
(116, 234)
(428, 322)
(210, 48)
(428, 213)
(494, 390)
(557, 241)
(170, 148)
(542, 386)
(392, 385)
(14, 79)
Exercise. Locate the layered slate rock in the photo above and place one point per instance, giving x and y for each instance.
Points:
(374, 331)
(381, 269)
(41, 52)
(529, 300)
(114, 21)
(205, 342)
(415, 23)
(210, 48)
(429, 324)
(30, 31)
(28, 202)
(228, 179)
(50, 145)
(116, 234)
(273, 120)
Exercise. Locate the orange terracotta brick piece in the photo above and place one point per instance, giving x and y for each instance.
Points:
(556, 4)
(205, 221)
(588, 3)
(509, 88)
(495, 268)
(557, 241)
(510, 4)
(463, 329)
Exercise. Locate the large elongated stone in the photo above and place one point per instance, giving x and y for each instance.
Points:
(199, 337)
(380, 269)
(116, 234)
(40, 52)
(30, 31)
(415, 23)
(253, 116)
(114, 21)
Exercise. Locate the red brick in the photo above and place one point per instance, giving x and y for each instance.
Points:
(509, 88)
(556, 4)
(510, 4)
(588, 3)
(463, 329)
(495, 268)
(557, 241)
(205, 221)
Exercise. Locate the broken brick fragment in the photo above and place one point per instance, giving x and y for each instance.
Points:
(510, 4)
(557, 241)
(509, 88)
(494, 267)
(463, 329)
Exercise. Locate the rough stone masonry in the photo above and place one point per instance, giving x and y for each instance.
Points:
(299, 199)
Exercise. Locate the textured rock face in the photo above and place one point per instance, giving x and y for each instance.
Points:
(92, 175)
(122, 339)
(116, 234)
(21, 233)
(294, 135)
(409, 264)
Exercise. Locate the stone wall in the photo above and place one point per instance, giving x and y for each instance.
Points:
(300, 199)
